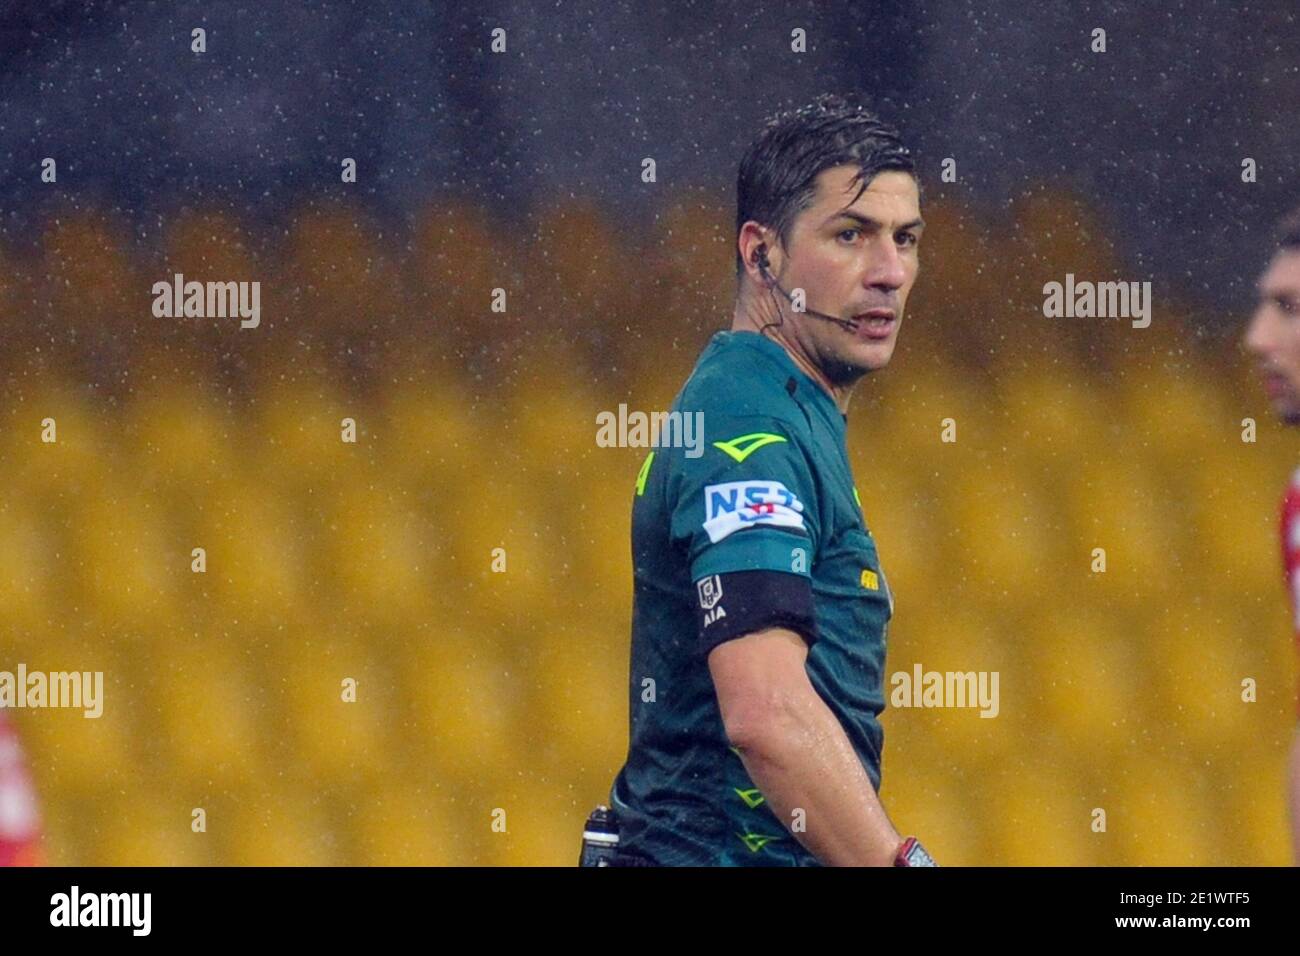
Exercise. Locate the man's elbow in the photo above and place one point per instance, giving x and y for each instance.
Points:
(761, 726)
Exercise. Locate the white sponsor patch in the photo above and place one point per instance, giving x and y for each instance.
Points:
(734, 505)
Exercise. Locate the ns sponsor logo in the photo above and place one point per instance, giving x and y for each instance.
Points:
(733, 505)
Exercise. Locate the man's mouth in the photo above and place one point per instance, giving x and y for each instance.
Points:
(875, 323)
(1275, 385)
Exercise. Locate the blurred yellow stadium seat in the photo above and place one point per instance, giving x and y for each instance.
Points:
(1088, 676)
(207, 703)
(466, 696)
(579, 695)
(1255, 830)
(254, 550)
(428, 437)
(411, 825)
(141, 826)
(1117, 507)
(123, 556)
(1050, 417)
(1157, 804)
(1232, 523)
(1041, 814)
(73, 753)
(941, 803)
(542, 814)
(28, 567)
(180, 436)
(341, 731)
(381, 548)
(279, 826)
(1194, 670)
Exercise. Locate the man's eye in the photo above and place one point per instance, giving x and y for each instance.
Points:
(848, 231)
(908, 239)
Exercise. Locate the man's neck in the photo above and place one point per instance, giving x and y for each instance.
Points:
(840, 394)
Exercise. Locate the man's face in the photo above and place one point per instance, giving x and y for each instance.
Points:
(854, 261)
(1273, 337)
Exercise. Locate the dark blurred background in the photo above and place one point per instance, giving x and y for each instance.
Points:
(1153, 130)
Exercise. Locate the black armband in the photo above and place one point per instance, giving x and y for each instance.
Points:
(740, 602)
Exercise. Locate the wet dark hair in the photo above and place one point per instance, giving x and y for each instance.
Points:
(778, 171)
(1288, 232)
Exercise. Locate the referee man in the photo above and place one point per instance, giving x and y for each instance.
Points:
(760, 606)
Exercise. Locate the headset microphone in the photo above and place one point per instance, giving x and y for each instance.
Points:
(761, 259)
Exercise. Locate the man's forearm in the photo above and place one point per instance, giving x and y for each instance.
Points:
(803, 761)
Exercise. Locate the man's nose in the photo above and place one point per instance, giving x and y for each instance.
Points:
(1258, 337)
(887, 268)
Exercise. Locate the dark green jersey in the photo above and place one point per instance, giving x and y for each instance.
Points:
(772, 494)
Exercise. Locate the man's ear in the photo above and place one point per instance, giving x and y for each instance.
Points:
(751, 257)
(775, 257)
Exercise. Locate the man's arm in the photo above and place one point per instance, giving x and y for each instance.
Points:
(796, 752)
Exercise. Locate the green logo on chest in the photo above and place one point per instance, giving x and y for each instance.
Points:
(756, 841)
(743, 446)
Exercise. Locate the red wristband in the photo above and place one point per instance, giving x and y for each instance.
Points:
(911, 853)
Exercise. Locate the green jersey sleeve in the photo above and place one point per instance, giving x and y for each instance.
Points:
(748, 502)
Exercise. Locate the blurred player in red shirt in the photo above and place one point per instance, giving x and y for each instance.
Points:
(1273, 339)
(19, 821)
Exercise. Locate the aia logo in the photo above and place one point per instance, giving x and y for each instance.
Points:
(710, 591)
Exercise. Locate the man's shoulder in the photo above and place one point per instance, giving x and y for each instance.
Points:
(733, 382)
